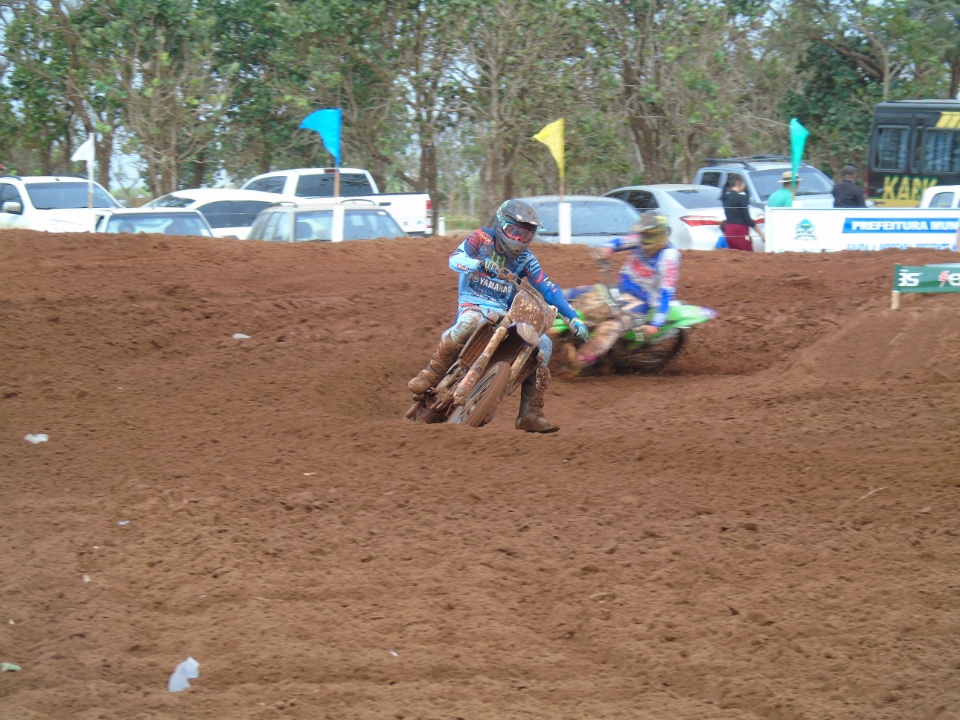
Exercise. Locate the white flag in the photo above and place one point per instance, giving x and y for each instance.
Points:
(86, 151)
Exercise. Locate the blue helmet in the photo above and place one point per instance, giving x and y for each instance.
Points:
(515, 227)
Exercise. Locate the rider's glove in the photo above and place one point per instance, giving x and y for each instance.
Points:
(579, 328)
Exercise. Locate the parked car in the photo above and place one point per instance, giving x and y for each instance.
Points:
(230, 212)
(694, 211)
(762, 174)
(593, 220)
(413, 211)
(941, 196)
(55, 203)
(324, 222)
(167, 221)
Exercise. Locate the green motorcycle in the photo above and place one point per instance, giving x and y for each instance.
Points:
(632, 351)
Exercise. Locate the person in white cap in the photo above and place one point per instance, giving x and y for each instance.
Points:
(788, 190)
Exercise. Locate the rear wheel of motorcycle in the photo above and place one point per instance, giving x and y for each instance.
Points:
(653, 357)
(484, 399)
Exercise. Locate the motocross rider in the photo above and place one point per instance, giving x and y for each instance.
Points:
(485, 261)
(648, 281)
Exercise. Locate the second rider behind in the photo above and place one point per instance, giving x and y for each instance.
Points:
(484, 261)
(648, 282)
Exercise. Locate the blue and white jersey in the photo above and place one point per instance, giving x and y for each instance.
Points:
(651, 279)
(478, 288)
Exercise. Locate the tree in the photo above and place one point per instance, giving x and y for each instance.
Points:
(887, 41)
(513, 86)
(940, 20)
(255, 58)
(173, 101)
(696, 78)
(38, 85)
(836, 104)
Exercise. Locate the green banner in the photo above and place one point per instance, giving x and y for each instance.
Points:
(926, 278)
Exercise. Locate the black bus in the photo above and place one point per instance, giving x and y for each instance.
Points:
(913, 144)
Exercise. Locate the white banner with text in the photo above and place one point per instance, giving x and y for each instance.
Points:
(832, 229)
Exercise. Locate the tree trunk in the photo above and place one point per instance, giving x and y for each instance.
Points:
(199, 168)
(428, 176)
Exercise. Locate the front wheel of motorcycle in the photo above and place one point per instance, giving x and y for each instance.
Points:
(482, 403)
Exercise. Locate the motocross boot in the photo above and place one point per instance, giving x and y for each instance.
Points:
(446, 352)
(530, 418)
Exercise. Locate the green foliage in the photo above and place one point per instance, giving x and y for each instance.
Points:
(836, 105)
(444, 95)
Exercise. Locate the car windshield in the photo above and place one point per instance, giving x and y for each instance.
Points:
(812, 182)
(158, 222)
(67, 195)
(588, 217)
(693, 198)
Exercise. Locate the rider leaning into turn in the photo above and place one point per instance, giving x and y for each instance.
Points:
(483, 261)
(648, 281)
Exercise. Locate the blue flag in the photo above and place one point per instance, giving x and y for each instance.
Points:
(327, 123)
(798, 138)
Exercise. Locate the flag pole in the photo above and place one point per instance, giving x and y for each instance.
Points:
(89, 184)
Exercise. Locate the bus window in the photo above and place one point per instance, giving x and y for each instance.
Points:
(941, 151)
(914, 145)
(890, 148)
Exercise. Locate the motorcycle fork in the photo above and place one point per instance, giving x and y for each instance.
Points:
(517, 374)
(480, 364)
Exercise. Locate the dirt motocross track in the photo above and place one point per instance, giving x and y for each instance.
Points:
(768, 530)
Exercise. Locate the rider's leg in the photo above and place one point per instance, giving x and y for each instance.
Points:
(451, 343)
(604, 337)
(608, 332)
(530, 417)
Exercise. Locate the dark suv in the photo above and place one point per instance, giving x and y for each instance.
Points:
(762, 175)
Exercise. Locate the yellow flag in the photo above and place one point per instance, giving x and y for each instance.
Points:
(552, 137)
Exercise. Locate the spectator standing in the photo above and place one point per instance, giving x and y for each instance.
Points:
(846, 193)
(736, 208)
(788, 190)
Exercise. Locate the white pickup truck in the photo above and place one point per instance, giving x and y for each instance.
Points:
(55, 203)
(941, 196)
(413, 211)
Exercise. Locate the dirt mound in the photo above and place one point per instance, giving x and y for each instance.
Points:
(767, 530)
(917, 345)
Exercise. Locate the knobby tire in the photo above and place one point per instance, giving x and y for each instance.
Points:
(485, 398)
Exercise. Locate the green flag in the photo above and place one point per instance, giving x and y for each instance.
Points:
(798, 137)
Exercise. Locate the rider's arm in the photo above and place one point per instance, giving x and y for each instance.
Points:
(464, 259)
(627, 242)
(668, 267)
(545, 286)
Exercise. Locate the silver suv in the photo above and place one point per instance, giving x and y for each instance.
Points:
(762, 175)
(56, 203)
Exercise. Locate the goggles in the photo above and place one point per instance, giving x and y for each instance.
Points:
(519, 233)
(654, 238)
